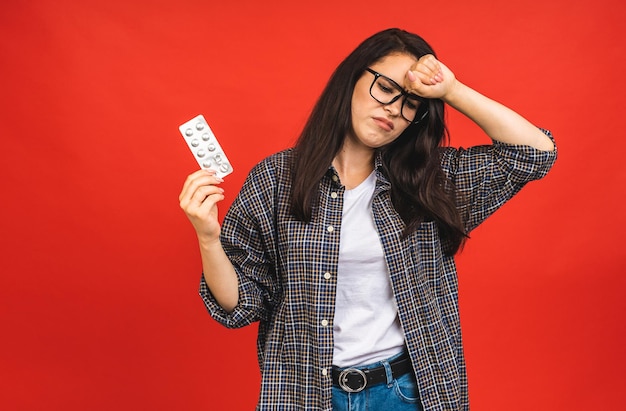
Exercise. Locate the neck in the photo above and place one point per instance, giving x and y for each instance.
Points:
(353, 164)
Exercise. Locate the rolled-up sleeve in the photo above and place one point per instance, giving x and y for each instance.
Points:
(247, 238)
(487, 176)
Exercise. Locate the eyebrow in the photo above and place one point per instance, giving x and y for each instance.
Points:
(395, 83)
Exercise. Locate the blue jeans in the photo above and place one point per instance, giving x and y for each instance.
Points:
(396, 395)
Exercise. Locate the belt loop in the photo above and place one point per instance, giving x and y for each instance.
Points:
(388, 372)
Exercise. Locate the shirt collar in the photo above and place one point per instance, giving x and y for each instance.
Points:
(381, 179)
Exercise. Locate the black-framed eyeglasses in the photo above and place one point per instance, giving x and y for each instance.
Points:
(387, 91)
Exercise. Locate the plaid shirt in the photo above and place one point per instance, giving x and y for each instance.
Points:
(284, 265)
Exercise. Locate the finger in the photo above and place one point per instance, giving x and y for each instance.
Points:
(193, 196)
(200, 212)
(188, 182)
(203, 192)
(430, 62)
(427, 75)
(418, 80)
(192, 200)
(430, 67)
(202, 173)
(209, 204)
(199, 178)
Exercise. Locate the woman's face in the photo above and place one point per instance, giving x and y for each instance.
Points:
(374, 124)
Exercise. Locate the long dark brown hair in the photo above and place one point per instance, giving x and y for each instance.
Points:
(419, 189)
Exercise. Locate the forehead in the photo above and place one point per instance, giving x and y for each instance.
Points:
(394, 66)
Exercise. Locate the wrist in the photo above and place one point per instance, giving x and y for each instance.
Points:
(209, 242)
(455, 93)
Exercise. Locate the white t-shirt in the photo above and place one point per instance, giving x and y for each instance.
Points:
(366, 325)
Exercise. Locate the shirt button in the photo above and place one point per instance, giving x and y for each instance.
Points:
(324, 323)
(335, 178)
(330, 228)
(324, 372)
(327, 276)
(333, 195)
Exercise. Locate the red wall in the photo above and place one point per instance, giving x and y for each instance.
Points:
(99, 268)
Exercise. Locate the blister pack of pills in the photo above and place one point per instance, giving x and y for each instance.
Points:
(204, 146)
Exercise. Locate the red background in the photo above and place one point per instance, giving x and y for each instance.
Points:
(99, 266)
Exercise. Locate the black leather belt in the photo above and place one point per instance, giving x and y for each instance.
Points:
(356, 379)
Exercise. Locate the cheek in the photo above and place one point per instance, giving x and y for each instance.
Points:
(357, 102)
(359, 109)
(361, 98)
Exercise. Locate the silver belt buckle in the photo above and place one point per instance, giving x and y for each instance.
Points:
(343, 380)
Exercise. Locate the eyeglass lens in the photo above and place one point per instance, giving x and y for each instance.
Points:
(385, 92)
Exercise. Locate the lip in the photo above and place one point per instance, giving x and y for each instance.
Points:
(384, 123)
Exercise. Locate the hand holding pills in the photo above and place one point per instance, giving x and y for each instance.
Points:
(200, 193)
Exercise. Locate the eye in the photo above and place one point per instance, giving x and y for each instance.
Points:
(385, 86)
(411, 103)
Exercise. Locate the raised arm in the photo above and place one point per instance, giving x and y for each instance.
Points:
(432, 79)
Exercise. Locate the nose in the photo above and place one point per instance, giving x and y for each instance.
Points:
(394, 108)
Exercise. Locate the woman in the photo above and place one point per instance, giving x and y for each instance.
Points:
(343, 246)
